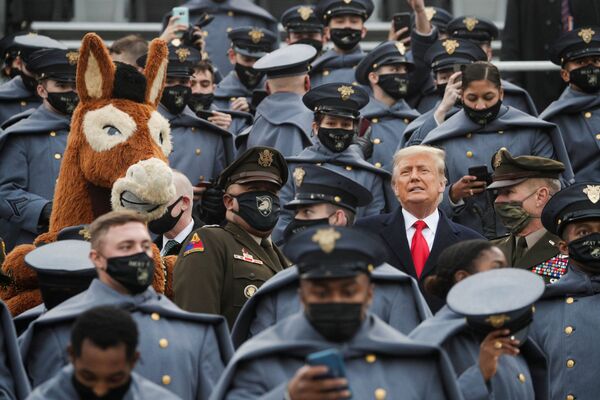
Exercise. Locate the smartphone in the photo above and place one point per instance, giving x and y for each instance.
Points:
(481, 173)
(402, 20)
(183, 17)
(332, 359)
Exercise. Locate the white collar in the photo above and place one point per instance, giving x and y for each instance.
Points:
(431, 220)
(181, 236)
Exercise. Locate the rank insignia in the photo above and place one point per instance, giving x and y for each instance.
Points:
(593, 193)
(326, 239)
(249, 291)
(194, 245)
(247, 257)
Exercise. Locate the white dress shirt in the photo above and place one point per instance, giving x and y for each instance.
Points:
(180, 238)
(428, 232)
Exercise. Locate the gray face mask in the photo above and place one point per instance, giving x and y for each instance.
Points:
(514, 217)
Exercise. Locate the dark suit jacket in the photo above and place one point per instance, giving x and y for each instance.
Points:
(175, 250)
(391, 229)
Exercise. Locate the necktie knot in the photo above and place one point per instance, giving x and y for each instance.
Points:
(266, 243)
(420, 225)
(169, 246)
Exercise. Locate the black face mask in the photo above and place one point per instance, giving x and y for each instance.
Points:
(346, 38)
(260, 209)
(248, 75)
(166, 222)
(86, 393)
(200, 101)
(64, 103)
(298, 225)
(134, 272)
(29, 82)
(175, 98)
(485, 116)
(586, 78)
(336, 322)
(336, 140)
(586, 251)
(395, 85)
(317, 44)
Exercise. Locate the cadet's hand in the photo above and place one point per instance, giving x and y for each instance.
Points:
(495, 344)
(305, 385)
(212, 209)
(467, 186)
(197, 38)
(240, 104)
(451, 94)
(416, 5)
(222, 120)
(171, 30)
(394, 35)
(44, 218)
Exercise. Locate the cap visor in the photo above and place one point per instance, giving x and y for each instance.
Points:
(250, 53)
(506, 183)
(261, 178)
(298, 202)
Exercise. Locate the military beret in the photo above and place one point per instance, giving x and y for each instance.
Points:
(446, 53)
(259, 163)
(577, 202)
(301, 19)
(509, 170)
(497, 299)
(578, 43)
(57, 64)
(287, 61)
(31, 42)
(477, 29)
(338, 99)
(386, 53)
(315, 184)
(438, 18)
(330, 8)
(252, 41)
(326, 252)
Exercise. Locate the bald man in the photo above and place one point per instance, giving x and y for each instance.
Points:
(177, 222)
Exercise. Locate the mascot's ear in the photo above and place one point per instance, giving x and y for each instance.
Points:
(156, 71)
(95, 70)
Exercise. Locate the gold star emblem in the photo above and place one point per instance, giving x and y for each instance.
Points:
(586, 34)
(593, 193)
(345, 92)
(256, 35)
(305, 12)
(72, 57)
(326, 239)
(430, 12)
(182, 54)
(265, 158)
(450, 45)
(298, 175)
(470, 23)
(496, 321)
(401, 48)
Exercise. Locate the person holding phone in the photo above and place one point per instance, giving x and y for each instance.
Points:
(334, 265)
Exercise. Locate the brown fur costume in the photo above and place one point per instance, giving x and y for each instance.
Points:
(92, 163)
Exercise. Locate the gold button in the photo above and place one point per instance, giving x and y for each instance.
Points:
(406, 121)
(52, 133)
(337, 199)
(377, 165)
(319, 164)
(166, 379)
(570, 397)
(380, 394)
(155, 316)
(469, 154)
(23, 103)
(325, 72)
(469, 135)
(569, 330)
(587, 114)
(198, 151)
(377, 141)
(57, 156)
(232, 99)
(570, 363)
(193, 129)
(570, 300)
(230, 13)
(228, 29)
(348, 168)
(522, 378)
(370, 358)
(375, 120)
(354, 83)
(598, 136)
(500, 132)
(205, 33)
(163, 343)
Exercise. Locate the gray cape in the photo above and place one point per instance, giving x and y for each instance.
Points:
(13, 379)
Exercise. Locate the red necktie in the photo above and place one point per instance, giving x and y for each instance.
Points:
(419, 248)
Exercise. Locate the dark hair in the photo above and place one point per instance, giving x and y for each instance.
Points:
(459, 256)
(136, 45)
(105, 327)
(205, 65)
(480, 71)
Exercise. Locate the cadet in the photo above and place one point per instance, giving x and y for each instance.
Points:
(200, 149)
(327, 198)
(183, 352)
(484, 332)
(563, 324)
(336, 123)
(335, 289)
(303, 26)
(248, 44)
(103, 353)
(238, 258)
(473, 135)
(13, 379)
(282, 121)
(482, 31)
(228, 14)
(386, 71)
(20, 93)
(577, 111)
(31, 150)
(524, 185)
(345, 27)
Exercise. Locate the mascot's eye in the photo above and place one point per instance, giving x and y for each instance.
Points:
(160, 138)
(111, 130)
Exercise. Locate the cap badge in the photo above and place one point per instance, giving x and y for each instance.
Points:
(347, 1)
(496, 321)
(430, 12)
(256, 35)
(265, 158)
(326, 239)
(298, 175)
(72, 57)
(264, 204)
(85, 233)
(593, 193)
(249, 291)
(345, 92)
(586, 34)
(182, 54)
(450, 45)
(497, 159)
(305, 12)
(401, 48)
(470, 23)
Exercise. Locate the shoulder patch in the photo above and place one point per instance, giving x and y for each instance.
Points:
(195, 245)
